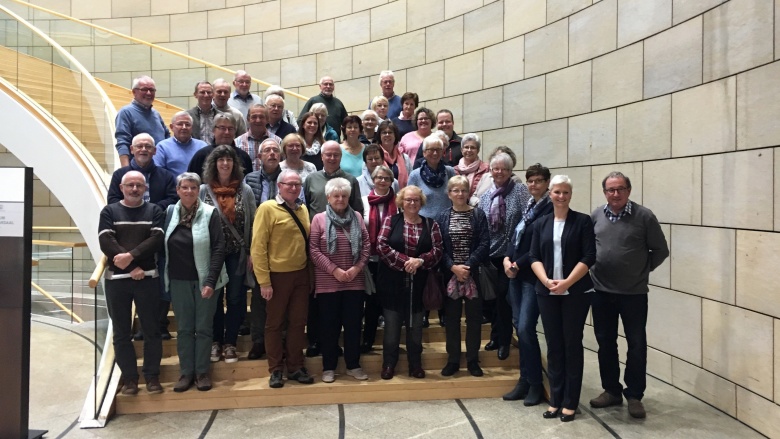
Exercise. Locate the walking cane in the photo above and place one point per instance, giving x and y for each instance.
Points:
(411, 292)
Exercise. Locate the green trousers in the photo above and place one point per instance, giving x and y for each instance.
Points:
(194, 318)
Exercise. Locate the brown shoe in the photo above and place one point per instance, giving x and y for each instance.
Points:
(606, 399)
(387, 372)
(130, 387)
(184, 383)
(203, 382)
(153, 385)
(636, 409)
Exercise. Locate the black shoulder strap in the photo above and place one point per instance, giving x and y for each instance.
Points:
(299, 224)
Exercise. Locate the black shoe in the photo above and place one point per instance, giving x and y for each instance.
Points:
(203, 382)
(491, 345)
(138, 336)
(567, 418)
(244, 330)
(519, 392)
(534, 396)
(442, 322)
(276, 381)
(551, 415)
(450, 369)
(366, 348)
(485, 320)
(503, 352)
(313, 350)
(301, 375)
(257, 351)
(426, 323)
(165, 335)
(474, 369)
(339, 351)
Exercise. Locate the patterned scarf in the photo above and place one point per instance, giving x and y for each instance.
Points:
(498, 205)
(315, 148)
(434, 178)
(397, 158)
(348, 225)
(187, 215)
(226, 198)
(374, 220)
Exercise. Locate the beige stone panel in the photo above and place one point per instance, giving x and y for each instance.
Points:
(86, 56)
(674, 324)
(203, 5)
(223, 23)
(758, 107)
(547, 49)
(327, 9)
(151, 29)
(737, 36)
(211, 50)
(244, 49)
(638, 19)
(503, 62)
(777, 190)
(280, 44)
(704, 385)
(662, 194)
(569, 91)
(86, 10)
(777, 361)
(370, 58)
(592, 138)
(704, 118)
(480, 110)
(116, 78)
(8, 159)
(129, 58)
(758, 413)
(557, 9)
(121, 25)
(524, 101)
(737, 345)
(453, 8)
(427, 77)
(299, 71)
(407, 50)
(631, 170)
(703, 261)
(316, 37)
(580, 178)
(51, 216)
(158, 7)
(354, 94)
(336, 64)
(298, 12)
(483, 27)
(685, 9)
(360, 5)
(187, 27)
(354, 29)
(659, 365)
(262, 16)
(268, 71)
(757, 256)
(727, 179)
(163, 60)
(673, 59)
(463, 73)
(183, 81)
(617, 77)
(662, 275)
(592, 32)
(777, 28)
(644, 130)
(421, 14)
(524, 16)
(388, 20)
(162, 81)
(545, 143)
(122, 8)
(444, 40)
(40, 194)
(511, 137)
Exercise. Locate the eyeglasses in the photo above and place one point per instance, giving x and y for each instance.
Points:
(536, 181)
(144, 146)
(243, 81)
(332, 155)
(387, 133)
(436, 150)
(617, 190)
(383, 178)
(134, 185)
(469, 147)
(276, 106)
(182, 124)
(500, 170)
(146, 90)
(373, 159)
(270, 150)
(224, 128)
(293, 145)
(292, 185)
(412, 200)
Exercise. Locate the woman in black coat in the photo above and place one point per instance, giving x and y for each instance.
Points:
(563, 248)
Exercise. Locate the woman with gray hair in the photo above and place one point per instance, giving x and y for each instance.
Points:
(321, 111)
(470, 165)
(503, 205)
(194, 270)
(486, 182)
(370, 122)
(432, 177)
(339, 249)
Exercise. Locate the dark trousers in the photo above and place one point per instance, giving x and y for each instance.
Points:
(120, 295)
(313, 322)
(563, 318)
(525, 315)
(390, 347)
(258, 316)
(340, 309)
(287, 309)
(453, 309)
(372, 311)
(632, 310)
(226, 324)
(501, 328)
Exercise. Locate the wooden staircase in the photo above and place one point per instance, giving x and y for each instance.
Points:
(245, 384)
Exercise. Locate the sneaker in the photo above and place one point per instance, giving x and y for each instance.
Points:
(636, 409)
(203, 382)
(130, 387)
(450, 369)
(519, 392)
(606, 399)
(184, 383)
(313, 350)
(357, 373)
(276, 381)
(257, 351)
(153, 385)
(216, 352)
(474, 369)
(534, 396)
(301, 375)
(328, 376)
(230, 354)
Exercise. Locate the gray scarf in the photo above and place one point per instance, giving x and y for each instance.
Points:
(348, 224)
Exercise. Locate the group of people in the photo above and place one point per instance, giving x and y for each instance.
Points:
(331, 236)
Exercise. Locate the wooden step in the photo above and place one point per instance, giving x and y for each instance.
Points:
(254, 392)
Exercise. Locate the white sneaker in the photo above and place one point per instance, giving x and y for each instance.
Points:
(328, 376)
(357, 373)
(216, 352)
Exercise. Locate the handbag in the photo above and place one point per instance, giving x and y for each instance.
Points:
(249, 276)
(488, 276)
(309, 264)
(433, 292)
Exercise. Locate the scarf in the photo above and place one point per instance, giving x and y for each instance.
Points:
(367, 177)
(187, 215)
(315, 148)
(434, 178)
(270, 179)
(400, 171)
(226, 198)
(457, 289)
(470, 171)
(530, 215)
(498, 205)
(347, 224)
(374, 220)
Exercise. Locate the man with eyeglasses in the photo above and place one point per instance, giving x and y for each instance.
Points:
(175, 152)
(452, 153)
(224, 134)
(242, 99)
(276, 125)
(138, 117)
(629, 245)
(336, 110)
(221, 96)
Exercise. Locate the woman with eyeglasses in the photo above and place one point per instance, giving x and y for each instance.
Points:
(470, 164)
(432, 177)
(409, 245)
(372, 158)
(292, 148)
(395, 159)
(370, 122)
(423, 126)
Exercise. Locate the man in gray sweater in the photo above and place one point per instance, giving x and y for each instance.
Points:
(629, 245)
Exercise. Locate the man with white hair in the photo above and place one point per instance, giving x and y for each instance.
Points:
(276, 125)
(288, 115)
(336, 110)
(387, 83)
(242, 99)
(221, 96)
(138, 117)
(175, 152)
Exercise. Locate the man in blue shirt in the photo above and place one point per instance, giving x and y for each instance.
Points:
(138, 117)
(175, 153)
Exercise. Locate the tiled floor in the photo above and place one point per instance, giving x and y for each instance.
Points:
(61, 369)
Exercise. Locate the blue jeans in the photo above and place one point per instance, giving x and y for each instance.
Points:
(525, 315)
(226, 324)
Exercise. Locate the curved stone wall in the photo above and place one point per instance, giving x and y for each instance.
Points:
(681, 95)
